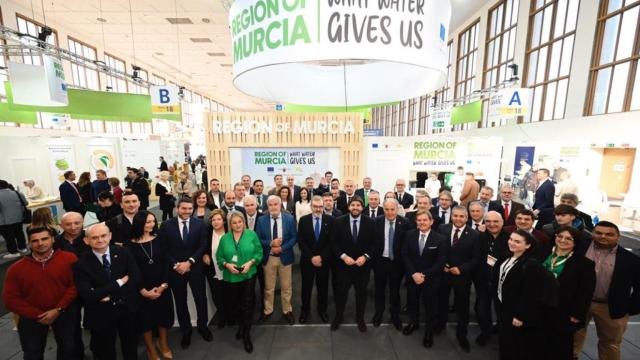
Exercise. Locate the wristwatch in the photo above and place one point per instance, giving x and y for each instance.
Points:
(60, 310)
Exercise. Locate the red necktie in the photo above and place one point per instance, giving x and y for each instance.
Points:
(506, 210)
(456, 238)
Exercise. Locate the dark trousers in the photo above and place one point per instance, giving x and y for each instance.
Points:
(78, 343)
(359, 278)
(167, 214)
(520, 343)
(178, 283)
(14, 237)
(33, 337)
(319, 275)
(217, 295)
(461, 286)
(103, 340)
(484, 299)
(386, 271)
(260, 276)
(427, 293)
(241, 298)
(559, 331)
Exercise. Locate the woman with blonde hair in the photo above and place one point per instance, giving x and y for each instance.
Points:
(165, 195)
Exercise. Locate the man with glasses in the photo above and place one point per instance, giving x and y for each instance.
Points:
(404, 198)
(508, 206)
(442, 213)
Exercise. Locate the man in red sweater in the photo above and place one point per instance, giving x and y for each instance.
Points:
(39, 288)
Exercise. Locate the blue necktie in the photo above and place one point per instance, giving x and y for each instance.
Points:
(185, 231)
(316, 229)
(392, 232)
(106, 265)
(275, 229)
(354, 231)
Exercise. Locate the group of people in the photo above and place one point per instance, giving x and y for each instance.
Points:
(538, 286)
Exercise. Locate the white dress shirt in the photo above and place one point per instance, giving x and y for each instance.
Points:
(215, 241)
(387, 224)
(251, 221)
(279, 225)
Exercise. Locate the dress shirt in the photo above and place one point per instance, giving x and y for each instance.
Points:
(475, 226)
(215, 241)
(605, 260)
(108, 253)
(426, 237)
(181, 226)
(385, 252)
(351, 219)
(216, 199)
(251, 221)
(279, 217)
(453, 232)
(376, 210)
(447, 214)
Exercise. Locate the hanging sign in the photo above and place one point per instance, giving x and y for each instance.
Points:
(441, 119)
(39, 85)
(165, 99)
(508, 103)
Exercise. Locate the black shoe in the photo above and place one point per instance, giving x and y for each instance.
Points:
(248, 345)
(483, 339)
(265, 317)
(464, 344)
(323, 316)
(239, 333)
(377, 319)
(290, 319)
(439, 329)
(428, 340)
(186, 340)
(335, 324)
(410, 328)
(362, 327)
(397, 323)
(206, 334)
(303, 318)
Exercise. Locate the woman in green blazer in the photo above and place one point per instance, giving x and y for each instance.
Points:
(238, 254)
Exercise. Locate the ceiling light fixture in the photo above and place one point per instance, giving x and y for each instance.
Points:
(102, 20)
(206, 21)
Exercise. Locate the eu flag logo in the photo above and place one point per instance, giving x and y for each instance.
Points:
(270, 169)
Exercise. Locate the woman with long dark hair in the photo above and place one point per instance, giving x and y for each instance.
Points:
(519, 281)
(288, 204)
(156, 310)
(201, 205)
(84, 188)
(217, 220)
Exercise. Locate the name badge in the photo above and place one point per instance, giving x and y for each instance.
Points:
(234, 259)
(491, 260)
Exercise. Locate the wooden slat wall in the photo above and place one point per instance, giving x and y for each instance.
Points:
(218, 165)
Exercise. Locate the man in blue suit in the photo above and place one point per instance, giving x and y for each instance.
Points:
(544, 193)
(184, 238)
(70, 195)
(277, 233)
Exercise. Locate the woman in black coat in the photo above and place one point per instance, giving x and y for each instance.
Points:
(518, 282)
(577, 280)
(165, 196)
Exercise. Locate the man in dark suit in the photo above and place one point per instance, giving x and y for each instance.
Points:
(140, 187)
(424, 253)
(216, 197)
(335, 184)
(69, 194)
(424, 204)
(314, 240)
(184, 238)
(251, 207)
(345, 197)
(245, 180)
(310, 185)
(325, 183)
(463, 257)
(545, 192)
(524, 221)
(508, 206)
(353, 245)
(261, 198)
(617, 292)
(390, 230)
(163, 165)
(405, 199)
(230, 204)
(329, 208)
(294, 190)
(442, 213)
(494, 248)
(365, 190)
(485, 196)
(374, 209)
(120, 226)
(107, 280)
(476, 216)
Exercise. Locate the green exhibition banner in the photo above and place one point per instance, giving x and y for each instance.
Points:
(99, 105)
(20, 117)
(467, 113)
(364, 110)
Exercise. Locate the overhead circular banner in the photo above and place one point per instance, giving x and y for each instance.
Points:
(339, 52)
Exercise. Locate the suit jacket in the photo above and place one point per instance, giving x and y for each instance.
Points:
(94, 284)
(120, 230)
(220, 199)
(309, 247)
(544, 196)
(263, 198)
(435, 213)
(237, 208)
(296, 194)
(343, 243)
(513, 209)
(367, 212)
(470, 191)
(521, 290)
(342, 203)
(497, 207)
(360, 192)
(289, 237)
(411, 219)
(290, 209)
(69, 195)
(140, 187)
(432, 259)
(406, 201)
(335, 213)
(577, 281)
(179, 250)
(468, 254)
(400, 230)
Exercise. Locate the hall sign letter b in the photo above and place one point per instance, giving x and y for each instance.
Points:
(164, 96)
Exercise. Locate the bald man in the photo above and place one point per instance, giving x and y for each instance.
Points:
(107, 279)
(72, 237)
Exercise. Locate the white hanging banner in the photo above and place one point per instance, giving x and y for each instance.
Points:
(39, 85)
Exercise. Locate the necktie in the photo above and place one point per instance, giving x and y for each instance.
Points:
(259, 201)
(316, 229)
(372, 213)
(422, 243)
(354, 231)
(399, 197)
(442, 217)
(366, 198)
(106, 265)
(185, 230)
(476, 226)
(252, 221)
(348, 199)
(392, 233)
(506, 210)
(274, 232)
(456, 238)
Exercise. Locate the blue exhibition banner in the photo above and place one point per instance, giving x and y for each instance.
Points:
(523, 160)
(264, 163)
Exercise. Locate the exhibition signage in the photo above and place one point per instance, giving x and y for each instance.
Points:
(264, 163)
(353, 52)
(509, 103)
(373, 132)
(39, 85)
(165, 99)
(441, 119)
(61, 159)
(20, 117)
(270, 127)
(102, 155)
(467, 113)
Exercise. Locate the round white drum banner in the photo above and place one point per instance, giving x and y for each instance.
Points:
(339, 52)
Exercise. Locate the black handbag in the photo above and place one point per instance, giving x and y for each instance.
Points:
(26, 213)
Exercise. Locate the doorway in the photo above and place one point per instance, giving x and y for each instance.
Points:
(615, 176)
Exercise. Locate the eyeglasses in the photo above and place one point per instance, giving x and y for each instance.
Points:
(568, 238)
